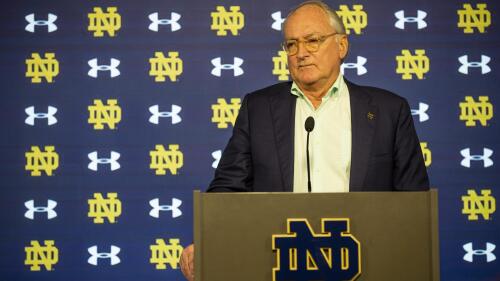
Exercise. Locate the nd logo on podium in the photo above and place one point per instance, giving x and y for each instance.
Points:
(334, 254)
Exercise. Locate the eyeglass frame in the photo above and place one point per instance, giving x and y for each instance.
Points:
(320, 41)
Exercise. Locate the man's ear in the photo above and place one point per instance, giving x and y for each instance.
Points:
(343, 46)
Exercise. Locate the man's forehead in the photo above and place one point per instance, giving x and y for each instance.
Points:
(306, 21)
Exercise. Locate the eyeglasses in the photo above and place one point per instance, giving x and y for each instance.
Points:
(311, 43)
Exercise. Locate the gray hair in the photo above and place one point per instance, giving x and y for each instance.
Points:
(335, 20)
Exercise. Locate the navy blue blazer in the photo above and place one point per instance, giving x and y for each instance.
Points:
(386, 153)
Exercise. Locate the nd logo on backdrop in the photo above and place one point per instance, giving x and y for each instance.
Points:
(301, 254)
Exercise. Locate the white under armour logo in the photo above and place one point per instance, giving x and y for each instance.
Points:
(400, 23)
(112, 255)
(421, 112)
(49, 209)
(112, 161)
(156, 208)
(216, 155)
(487, 153)
(156, 114)
(173, 21)
(236, 66)
(32, 115)
(483, 64)
(278, 20)
(359, 65)
(488, 252)
(51, 19)
(112, 68)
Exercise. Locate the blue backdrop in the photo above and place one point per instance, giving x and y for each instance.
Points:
(113, 112)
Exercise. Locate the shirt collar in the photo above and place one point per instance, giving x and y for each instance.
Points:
(334, 89)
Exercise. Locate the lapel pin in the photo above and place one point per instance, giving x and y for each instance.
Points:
(370, 115)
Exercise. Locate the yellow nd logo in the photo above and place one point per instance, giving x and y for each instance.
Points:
(100, 114)
(355, 19)
(36, 67)
(100, 208)
(281, 66)
(224, 114)
(37, 255)
(162, 66)
(100, 21)
(472, 111)
(475, 204)
(37, 161)
(163, 254)
(162, 160)
(224, 21)
(408, 64)
(470, 18)
(426, 152)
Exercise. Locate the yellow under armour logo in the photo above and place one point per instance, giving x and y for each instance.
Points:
(475, 204)
(408, 64)
(37, 255)
(38, 161)
(281, 66)
(162, 66)
(426, 153)
(163, 254)
(470, 18)
(162, 160)
(224, 113)
(99, 21)
(355, 19)
(36, 67)
(109, 114)
(109, 207)
(472, 111)
(222, 20)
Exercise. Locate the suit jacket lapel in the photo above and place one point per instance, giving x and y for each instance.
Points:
(283, 119)
(363, 116)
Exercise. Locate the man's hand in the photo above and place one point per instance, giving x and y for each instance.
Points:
(187, 262)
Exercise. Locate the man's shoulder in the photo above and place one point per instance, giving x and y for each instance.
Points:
(278, 89)
(375, 95)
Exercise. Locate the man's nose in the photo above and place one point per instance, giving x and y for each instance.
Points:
(302, 50)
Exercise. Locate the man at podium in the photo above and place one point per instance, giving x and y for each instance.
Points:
(360, 138)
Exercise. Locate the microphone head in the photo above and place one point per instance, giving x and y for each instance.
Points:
(309, 125)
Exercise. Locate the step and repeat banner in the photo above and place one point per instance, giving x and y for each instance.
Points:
(113, 112)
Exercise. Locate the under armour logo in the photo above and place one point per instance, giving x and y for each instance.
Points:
(32, 115)
(359, 65)
(421, 112)
(487, 153)
(400, 23)
(112, 68)
(49, 209)
(236, 66)
(156, 208)
(156, 114)
(51, 19)
(278, 20)
(112, 255)
(112, 161)
(483, 64)
(173, 21)
(488, 252)
(216, 155)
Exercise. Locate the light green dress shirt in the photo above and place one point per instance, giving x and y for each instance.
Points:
(329, 142)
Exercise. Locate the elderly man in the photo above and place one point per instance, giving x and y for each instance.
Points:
(363, 140)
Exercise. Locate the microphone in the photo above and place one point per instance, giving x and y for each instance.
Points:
(309, 126)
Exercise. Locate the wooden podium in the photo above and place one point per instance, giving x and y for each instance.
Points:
(234, 233)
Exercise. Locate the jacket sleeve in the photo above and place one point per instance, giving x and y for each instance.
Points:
(235, 172)
(409, 168)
